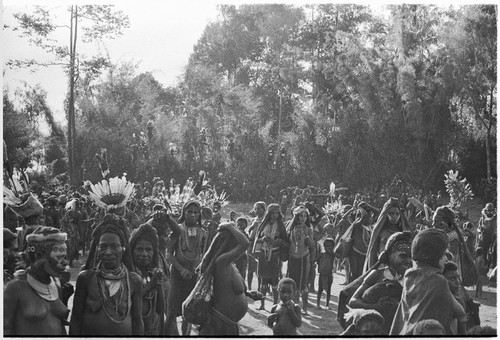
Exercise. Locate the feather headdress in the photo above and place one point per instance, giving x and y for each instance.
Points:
(113, 193)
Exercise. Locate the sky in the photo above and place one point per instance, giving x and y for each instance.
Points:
(160, 38)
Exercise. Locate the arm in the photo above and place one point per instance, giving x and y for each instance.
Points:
(295, 315)
(243, 243)
(160, 307)
(10, 305)
(136, 308)
(75, 325)
(355, 301)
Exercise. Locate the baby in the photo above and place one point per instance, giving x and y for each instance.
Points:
(285, 316)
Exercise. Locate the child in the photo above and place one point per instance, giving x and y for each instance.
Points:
(364, 322)
(481, 269)
(285, 317)
(325, 269)
(428, 327)
(241, 262)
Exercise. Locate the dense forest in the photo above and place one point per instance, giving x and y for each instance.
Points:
(283, 95)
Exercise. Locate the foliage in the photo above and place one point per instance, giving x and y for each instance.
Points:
(279, 95)
(458, 189)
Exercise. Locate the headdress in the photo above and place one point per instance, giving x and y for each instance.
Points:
(42, 239)
(112, 194)
(182, 218)
(300, 209)
(261, 204)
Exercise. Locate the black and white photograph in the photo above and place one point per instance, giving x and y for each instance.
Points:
(242, 168)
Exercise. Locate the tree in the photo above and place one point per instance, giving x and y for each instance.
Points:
(472, 44)
(101, 22)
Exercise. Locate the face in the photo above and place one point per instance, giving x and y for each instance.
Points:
(370, 327)
(393, 215)
(400, 261)
(453, 281)
(56, 260)
(241, 225)
(443, 260)
(259, 210)
(489, 212)
(110, 250)
(143, 253)
(302, 218)
(11, 255)
(192, 215)
(273, 216)
(286, 292)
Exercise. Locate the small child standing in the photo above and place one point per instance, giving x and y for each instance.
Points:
(481, 270)
(242, 260)
(285, 316)
(326, 261)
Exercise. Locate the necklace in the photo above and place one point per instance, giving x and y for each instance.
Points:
(47, 292)
(110, 301)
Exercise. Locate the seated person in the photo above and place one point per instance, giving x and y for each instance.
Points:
(381, 289)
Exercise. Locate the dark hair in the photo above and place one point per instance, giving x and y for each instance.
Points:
(370, 315)
(243, 219)
(287, 281)
(479, 251)
(429, 324)
(482, 330)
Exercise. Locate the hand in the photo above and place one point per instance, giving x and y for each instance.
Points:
(254, 295)
(160, 214)
(290, 304)
(67, 290)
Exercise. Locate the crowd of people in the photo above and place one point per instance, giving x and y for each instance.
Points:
(156, 253)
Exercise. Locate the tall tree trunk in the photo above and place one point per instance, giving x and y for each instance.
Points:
(71, 107)
(488, 154)
(73, 174)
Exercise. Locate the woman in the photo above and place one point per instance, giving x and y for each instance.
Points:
(185, 253)
(229, 303)
(144, 245)
(361, 231)
(300, 237)
(444, 219)
(108, 296)
(381, 288)
(33, 303)
(259, 208)
(426, 294)
(391, 220)
(270, 236)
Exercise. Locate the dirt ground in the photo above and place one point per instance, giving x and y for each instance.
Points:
(322, 322)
